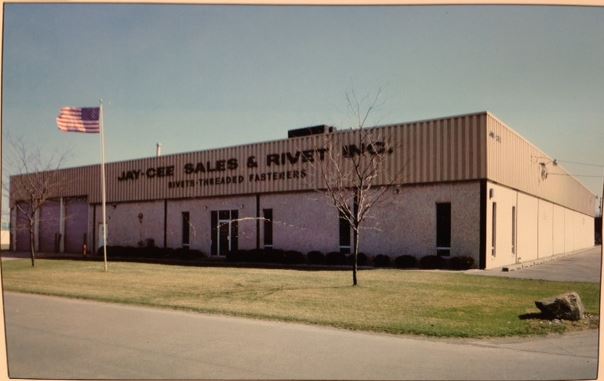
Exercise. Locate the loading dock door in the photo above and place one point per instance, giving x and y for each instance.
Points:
(22, 227)
(76, 224)
(49, 226)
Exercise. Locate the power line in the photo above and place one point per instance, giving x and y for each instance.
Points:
(582, 163)
(572, 175)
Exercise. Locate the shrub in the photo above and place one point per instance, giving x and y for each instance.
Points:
(405, 261)
(461, 263)
(254, 255)
(271, 256)
(186, 253)
(234, 256)
(294, 257)
(315, 257)
(117, 251)
(433, 262)
(381, 260)
(258, 256)
(362, 259)
(335, 258)
(147, 252)
(150, 252)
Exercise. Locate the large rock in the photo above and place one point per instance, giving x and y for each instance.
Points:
(566, 306)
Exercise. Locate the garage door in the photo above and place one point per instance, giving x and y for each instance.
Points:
(76, 224)
(22, 227)
(49, 227)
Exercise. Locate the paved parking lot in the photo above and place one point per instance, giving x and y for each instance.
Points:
(584, 266)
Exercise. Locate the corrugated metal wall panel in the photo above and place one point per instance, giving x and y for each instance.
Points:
(446, 149)
(513, 161)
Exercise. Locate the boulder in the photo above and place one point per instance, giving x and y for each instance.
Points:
(566, 306)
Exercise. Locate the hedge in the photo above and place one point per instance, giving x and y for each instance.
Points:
(335, 258)
(315, 257)
(461, 263)
(150, 252)
(433, 262)
(405, 261)
(382, 260)
(362, 259)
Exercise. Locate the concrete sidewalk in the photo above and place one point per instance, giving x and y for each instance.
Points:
(583, 266)
(80, 339)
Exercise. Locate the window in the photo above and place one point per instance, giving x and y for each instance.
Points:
(513, 230)
(494, 230)
(268, 227)
(443, 228)
(186, 228)
(344, 234)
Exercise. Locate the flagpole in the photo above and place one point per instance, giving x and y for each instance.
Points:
(103, 196)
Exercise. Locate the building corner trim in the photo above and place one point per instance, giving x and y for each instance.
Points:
(482, 254)
(257, 221)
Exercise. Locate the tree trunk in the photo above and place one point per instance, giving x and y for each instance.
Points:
(32, 247)
(356, 254)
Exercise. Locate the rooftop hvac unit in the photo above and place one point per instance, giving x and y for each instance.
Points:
(312, 130)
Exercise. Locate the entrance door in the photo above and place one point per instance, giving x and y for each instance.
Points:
(224, 234)
(224, 231)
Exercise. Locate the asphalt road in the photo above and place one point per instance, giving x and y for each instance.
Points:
(50, 337)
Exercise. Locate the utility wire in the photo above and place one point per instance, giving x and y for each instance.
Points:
(572, 174)
(582, 163)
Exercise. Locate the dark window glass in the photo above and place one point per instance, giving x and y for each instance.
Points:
(344, 234)
(268, 227)
(224, 214)
(214, 232)
(234, 241)
(443, 228)
(185, 229)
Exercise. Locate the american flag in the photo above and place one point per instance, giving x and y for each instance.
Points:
(79, 119)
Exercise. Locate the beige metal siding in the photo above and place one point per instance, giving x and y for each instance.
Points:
(514, 162)
(446, 149)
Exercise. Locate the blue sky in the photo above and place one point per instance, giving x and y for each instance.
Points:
(196, 77)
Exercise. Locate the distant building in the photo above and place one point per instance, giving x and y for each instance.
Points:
(471, 186)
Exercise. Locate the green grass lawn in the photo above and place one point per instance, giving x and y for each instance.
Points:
(394, 301)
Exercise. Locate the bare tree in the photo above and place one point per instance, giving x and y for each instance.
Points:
(34, 180)
(355, 173)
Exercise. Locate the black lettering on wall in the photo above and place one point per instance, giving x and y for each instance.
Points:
(232, 164)
(272, 158)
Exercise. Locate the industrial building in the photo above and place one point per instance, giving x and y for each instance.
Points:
(465, 185)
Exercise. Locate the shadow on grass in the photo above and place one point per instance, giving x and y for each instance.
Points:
(534, 316)
(211, 262)
(257, 294)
